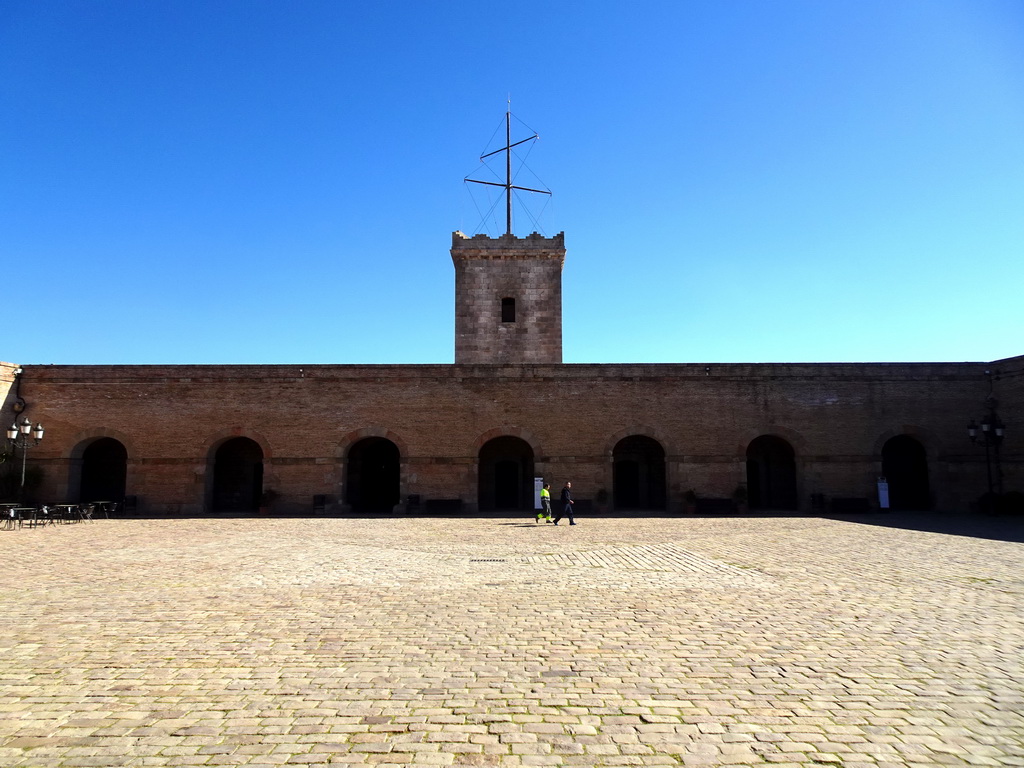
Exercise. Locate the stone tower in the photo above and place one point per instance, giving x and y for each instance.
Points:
(508, 298)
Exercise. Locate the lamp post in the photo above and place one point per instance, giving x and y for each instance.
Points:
(18, 435)
(990, 435)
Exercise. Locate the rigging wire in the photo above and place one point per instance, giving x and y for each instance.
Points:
(483, 225)
(524, 125)
(535, 220)
(521, 166)
(500, 126)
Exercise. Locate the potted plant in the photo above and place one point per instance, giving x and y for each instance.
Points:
(739, 497)
(690, 501)
(267, 498)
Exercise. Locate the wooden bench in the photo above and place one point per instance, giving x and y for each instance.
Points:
(850, 505)
(581, 507)
(705, 506)
(442, 506)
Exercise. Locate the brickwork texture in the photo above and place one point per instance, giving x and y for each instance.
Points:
(560, 422)
(171, 419)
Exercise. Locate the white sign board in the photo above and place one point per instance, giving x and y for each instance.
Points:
(883, 493)
(538, 484)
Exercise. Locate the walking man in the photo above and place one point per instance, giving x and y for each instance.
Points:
(567, 503)
(545, 503)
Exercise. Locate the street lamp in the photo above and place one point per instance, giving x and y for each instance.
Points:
(990, 435)
(18, 436)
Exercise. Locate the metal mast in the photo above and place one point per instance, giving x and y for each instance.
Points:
(508, 185)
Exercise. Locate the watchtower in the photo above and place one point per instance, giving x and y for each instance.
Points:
(508, 298)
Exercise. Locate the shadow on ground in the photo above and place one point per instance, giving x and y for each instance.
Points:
(977, 525)
(980, 526)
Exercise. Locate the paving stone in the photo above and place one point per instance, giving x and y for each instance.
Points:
(793, 641)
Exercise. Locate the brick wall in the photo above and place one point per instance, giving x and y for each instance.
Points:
(836, 417)
(6, 381)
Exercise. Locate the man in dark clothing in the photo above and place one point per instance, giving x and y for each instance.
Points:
(567, 503)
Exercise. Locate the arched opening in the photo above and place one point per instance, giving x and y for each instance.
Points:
(905, 466)
(237, 476)
(638, 474)
(104, 471)
(506, 475)
(771, 474)
(373, 475)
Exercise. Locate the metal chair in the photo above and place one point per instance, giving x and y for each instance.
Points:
(66, 513)
(47, 516)
(10, 516)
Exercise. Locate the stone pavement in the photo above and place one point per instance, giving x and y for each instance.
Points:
(785, 641)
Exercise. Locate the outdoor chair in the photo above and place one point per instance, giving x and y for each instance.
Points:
(66, 513)
(10, 516)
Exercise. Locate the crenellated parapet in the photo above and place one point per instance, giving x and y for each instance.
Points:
(533, 246)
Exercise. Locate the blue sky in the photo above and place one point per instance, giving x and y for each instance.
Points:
(738, 181)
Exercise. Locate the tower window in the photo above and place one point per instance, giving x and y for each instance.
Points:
(508, 310)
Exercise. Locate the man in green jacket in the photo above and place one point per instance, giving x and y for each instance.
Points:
(545, 503)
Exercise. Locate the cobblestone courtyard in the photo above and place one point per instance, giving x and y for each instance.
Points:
(499, 642)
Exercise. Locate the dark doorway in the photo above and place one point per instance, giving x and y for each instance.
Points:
(905, 466)
(508, 481)
(771, 474)
(104, 470)
(237, 476)
(638, 474)
(506, 475)
(374, 475)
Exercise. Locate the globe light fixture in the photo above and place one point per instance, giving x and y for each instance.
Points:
(22, 437)
(989, 434)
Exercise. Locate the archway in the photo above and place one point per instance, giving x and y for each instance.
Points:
(237, 475)
(905, 466)
(373, 475)
(771, 474)
(505, 475)
(104, 471)
(638, 474)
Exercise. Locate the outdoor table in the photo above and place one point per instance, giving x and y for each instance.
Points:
(30, 515)
(70, 510)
